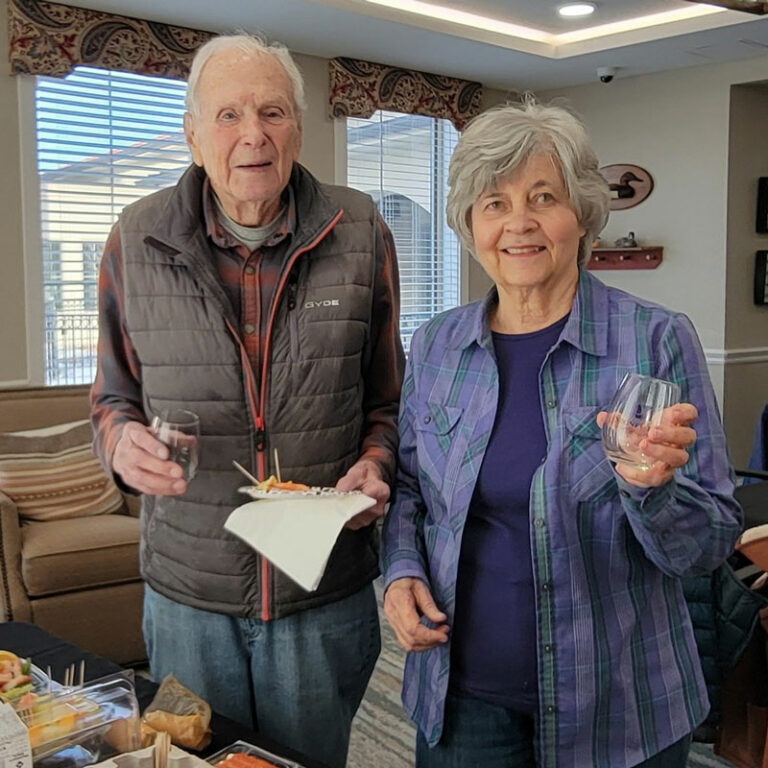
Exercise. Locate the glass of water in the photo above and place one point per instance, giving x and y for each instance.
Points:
(636, 408)
(179, 429)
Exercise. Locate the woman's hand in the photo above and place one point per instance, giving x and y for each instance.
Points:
(405, 602)
(667, 443)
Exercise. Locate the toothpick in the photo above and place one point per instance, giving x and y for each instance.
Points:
(277, 467)
(246, 473)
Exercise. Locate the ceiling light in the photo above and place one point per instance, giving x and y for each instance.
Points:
(452, 15)
(576, 10)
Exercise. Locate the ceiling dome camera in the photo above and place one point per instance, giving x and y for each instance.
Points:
(606, 74)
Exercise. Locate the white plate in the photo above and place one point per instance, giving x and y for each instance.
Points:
(313, 492)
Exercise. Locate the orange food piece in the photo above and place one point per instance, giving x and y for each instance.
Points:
(241, 760)
(289, 485)
(272, 484)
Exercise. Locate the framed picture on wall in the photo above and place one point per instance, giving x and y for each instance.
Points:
(762, 205)
(761, 278)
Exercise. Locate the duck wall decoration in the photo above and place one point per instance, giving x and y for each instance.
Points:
(629, 185)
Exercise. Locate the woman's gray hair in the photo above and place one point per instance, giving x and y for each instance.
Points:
(496, 142)
(251, 45)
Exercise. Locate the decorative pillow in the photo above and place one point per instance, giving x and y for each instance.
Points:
(52, 473)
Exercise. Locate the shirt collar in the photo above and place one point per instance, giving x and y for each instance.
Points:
(224, 239)
(586, 329)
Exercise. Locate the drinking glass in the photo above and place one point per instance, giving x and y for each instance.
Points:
(180, 431)
(636, 407)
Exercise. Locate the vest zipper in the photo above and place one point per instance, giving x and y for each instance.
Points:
(260, 426)
(293, 320)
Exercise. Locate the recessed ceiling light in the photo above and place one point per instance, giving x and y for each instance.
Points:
(576, 10)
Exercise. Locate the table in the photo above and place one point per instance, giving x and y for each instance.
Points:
(47, 650)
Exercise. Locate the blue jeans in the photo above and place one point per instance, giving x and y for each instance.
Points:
(477, 734)
(299, 679)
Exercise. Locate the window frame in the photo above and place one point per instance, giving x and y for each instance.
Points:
(340, 178)
(32, 248)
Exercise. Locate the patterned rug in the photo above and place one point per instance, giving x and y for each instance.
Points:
(382, 737)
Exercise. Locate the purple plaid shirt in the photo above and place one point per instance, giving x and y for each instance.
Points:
(618, 671)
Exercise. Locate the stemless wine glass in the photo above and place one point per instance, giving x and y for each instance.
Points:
(636, 407)
(179, 429)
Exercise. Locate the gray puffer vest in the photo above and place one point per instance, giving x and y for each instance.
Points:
(309, 406)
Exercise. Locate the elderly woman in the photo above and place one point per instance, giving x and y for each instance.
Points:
(535, 584)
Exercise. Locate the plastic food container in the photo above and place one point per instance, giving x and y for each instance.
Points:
(77, 726)
(144, 758)
(243, 748)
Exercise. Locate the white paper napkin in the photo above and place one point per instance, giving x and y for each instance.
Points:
(297, 534)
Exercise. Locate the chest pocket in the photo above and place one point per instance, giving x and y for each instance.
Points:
(439, 454)
(590, 473)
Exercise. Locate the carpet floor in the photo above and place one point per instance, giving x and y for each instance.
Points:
(382, 737)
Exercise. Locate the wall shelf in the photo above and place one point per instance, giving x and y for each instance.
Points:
(626, 258)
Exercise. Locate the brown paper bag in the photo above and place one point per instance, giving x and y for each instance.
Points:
(185, 717)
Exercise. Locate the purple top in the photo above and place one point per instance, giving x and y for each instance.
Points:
(493, 653)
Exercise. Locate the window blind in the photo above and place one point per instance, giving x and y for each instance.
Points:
(402, 162)
(104, 139)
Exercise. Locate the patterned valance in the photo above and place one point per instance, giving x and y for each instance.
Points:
(52, 39)
(359, 88)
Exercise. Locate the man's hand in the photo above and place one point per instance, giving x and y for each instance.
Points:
(405, 602)
(141, 461)
(666, 443)
(365, 476)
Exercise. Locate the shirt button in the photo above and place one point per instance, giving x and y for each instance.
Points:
(249, 329)
(551, 403)
(250, 270)
(546, 586)
(548, 648)
(427, 419)
(550, 710)
(539, 522)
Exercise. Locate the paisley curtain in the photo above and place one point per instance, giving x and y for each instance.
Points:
(359, 88)
(52, 39)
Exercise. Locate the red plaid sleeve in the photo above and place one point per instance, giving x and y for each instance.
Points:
(116, 390)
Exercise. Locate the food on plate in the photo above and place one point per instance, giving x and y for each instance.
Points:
(272, 484)
(241, 760)
(15, 681)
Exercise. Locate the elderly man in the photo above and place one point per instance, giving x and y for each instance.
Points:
(267, 303)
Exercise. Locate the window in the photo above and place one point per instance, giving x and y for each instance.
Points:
(104, 139)
(402, 162)
(91, 260)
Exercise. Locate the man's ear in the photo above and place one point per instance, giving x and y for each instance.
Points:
(297, 141)
(191, 136)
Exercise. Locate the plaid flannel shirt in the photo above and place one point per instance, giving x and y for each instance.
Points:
(618, 671)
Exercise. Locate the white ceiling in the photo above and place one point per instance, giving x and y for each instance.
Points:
(374, 32)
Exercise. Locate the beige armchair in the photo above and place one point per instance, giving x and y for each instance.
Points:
(76, 578)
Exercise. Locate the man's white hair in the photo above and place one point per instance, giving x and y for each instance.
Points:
(250, 45)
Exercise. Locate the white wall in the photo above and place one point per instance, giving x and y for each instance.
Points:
(746, 325)
(677, 125)
(13, 353)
